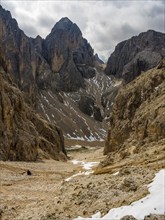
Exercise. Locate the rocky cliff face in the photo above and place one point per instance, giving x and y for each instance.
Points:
(36, 61)
(138, 112)
(64, 81)
(135, 55)
(80, 114)
(68, 54)
(16, 52)
(24, 135)
(57, 74)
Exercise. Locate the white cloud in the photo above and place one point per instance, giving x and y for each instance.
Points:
(103, 23)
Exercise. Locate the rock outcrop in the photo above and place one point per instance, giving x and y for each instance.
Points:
(24, 135)
(73, 43)
(138, 111)
(17, 55)
(136, 54)
(68, 54)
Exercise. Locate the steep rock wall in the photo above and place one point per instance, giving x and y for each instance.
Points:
(24, 135)
(138, 114)
(136, 54)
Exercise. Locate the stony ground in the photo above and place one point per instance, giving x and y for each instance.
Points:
(119, 180)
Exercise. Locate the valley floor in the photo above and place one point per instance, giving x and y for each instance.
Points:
(46, 194)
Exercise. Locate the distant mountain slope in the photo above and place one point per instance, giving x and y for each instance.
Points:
(24, 135)
(136, 54)
(76, 112)
(138, 114)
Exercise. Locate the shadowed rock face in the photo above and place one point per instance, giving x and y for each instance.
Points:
(66, 51)
(66, 41)
(35, 61)
(87, 106)
(19, 58)
(138, 111)
(24, 135)
(135, 55)
(16, 51)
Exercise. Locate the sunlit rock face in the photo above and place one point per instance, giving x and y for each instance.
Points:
(138, 112)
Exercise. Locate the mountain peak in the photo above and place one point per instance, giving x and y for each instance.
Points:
(64, 30)
(4, 12)
(64, 24)
(65, 20)
(140, 53)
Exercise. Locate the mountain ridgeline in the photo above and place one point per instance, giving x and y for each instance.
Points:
(59, 82)
(53, 63)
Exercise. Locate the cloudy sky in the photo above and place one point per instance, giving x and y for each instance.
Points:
(104, 23)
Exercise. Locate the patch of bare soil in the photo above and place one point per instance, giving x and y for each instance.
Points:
(121, 179)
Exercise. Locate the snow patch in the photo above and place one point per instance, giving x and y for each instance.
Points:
(50, 95)
(87, 166)
(76, 138)
(47, 117)
(152, 203)
(117, 83)
(115, 174)
(80, 173)
(45, 112)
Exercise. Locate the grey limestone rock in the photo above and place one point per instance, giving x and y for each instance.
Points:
(136, 54)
